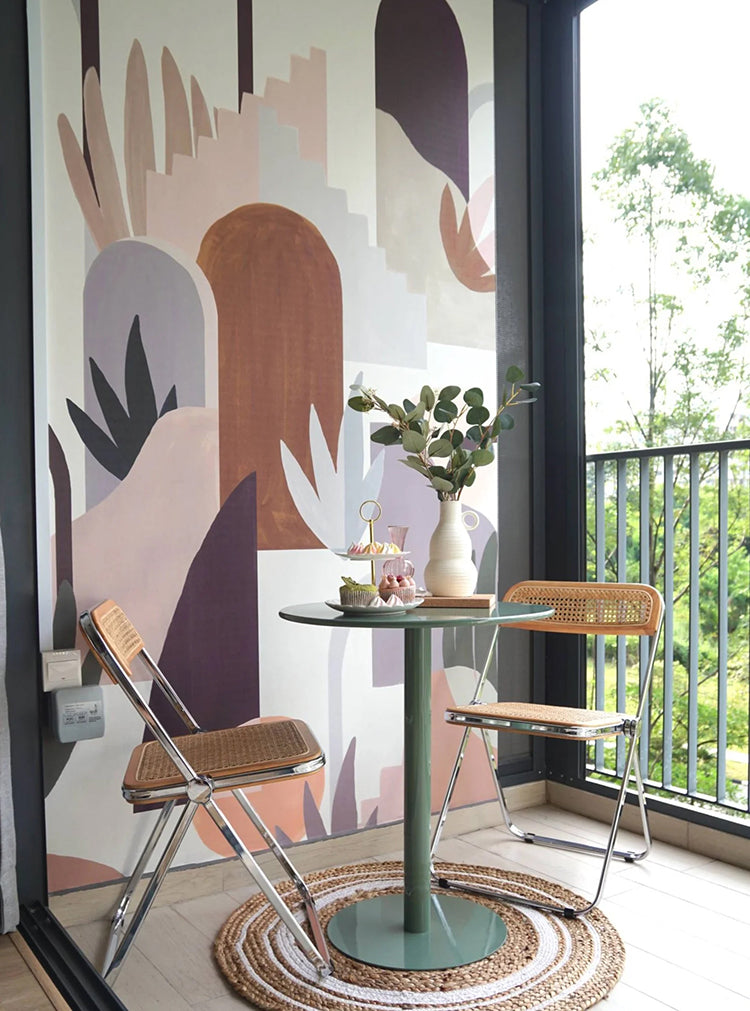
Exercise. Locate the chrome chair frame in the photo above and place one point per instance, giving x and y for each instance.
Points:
(197, 791)
(610, 725)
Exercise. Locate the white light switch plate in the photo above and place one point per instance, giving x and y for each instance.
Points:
(61, 668)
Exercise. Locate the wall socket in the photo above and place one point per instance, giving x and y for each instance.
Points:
(77, 714)
(61, 668)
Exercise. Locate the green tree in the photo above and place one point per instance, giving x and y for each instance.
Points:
(688, 286)
(691, 243)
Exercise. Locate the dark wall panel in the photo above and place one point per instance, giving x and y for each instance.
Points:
(16, 455)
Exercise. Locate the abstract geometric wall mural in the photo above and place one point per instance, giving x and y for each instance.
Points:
(249, 206)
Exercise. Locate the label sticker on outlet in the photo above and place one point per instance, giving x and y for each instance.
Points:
(80, 712)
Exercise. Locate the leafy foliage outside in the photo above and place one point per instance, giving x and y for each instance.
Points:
(129, 426)
(684, 373)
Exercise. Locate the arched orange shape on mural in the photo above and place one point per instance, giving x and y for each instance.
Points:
(278, 295)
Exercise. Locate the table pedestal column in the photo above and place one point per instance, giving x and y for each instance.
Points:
(417, 930)
(417, 778)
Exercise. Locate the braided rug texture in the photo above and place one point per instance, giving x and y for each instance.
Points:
(546, 962)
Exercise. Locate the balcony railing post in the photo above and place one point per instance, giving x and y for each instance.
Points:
(668, 633)
(692, 538)
(694, 625)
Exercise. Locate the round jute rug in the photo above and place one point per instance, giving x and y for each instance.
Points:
(546, 962)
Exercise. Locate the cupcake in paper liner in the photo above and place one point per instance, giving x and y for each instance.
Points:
(354, 594)
(400, 586)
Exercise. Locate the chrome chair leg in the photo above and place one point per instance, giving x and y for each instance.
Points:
(291, 871)
(318, 959)
(448, 797)
(607, 851)
(460, 756)
(110, 971)
(118, 917)
(557, 842)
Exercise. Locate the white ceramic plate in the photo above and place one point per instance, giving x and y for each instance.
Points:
(369, 556)
(369, 609)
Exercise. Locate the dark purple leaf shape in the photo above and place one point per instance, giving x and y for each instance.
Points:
(210, 654)
(170, 402)
(115, 415)
(65, 618)
(344, 807)
(314, 826)
(244, 49)
(139, 391)
(281, 837)
(421, 79)
(97, 442)
(58, 468)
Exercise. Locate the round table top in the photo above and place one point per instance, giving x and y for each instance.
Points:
(320, 613)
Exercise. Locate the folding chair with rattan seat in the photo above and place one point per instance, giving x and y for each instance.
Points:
(189, 769)
(621, 609)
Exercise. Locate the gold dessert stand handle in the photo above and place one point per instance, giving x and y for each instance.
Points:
(370, 521)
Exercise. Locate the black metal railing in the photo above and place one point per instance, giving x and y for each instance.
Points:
(679, 518)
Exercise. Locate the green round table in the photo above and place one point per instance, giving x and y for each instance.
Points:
(419, 930)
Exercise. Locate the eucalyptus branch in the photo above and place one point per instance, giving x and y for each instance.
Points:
(428, 429)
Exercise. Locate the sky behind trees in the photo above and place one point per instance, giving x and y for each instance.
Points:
(688, 52)
(633, 51)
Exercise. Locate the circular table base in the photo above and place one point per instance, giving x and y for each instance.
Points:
(461, 931)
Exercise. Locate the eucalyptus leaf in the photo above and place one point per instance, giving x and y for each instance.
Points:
(416, 464)
(397, 412)
(427, 396)
(436, 471)
(459, 476)
(414, 442)
(409, 406)
(456, 437)
(474, 434)
(513, 375)
(445, 410)
(360, 404)
(441, 447)
(416, 412)
(470, 478)
(530, 387)
(380, 402)
(497, 427)
(440, 484)
(481, 457)
(388, 435)
(474, 397)
(477, 415)
(507, 421)
(449, 393)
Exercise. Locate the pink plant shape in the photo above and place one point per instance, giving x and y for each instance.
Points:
(99, 194)
(464, 257)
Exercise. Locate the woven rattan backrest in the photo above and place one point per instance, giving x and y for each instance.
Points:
(118, 633)
(591, 608)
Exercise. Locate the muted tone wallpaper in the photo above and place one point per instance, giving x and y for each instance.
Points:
(249, 205)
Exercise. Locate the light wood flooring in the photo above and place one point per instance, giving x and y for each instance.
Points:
(24, 986)
(684, 917)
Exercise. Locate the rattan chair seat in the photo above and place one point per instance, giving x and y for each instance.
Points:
(235, 752)
(564, 717)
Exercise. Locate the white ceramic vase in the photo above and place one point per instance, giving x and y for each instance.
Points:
(450, 571)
